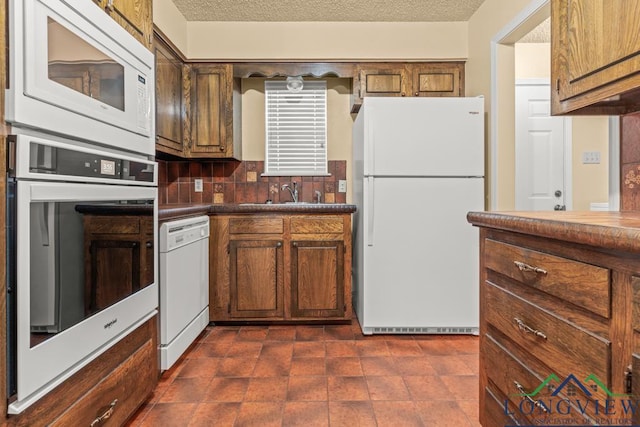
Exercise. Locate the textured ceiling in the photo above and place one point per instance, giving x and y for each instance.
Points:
(540, 34)
(328, 10)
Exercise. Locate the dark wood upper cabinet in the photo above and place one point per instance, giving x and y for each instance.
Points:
(215, 100)
(135, 16)
(595, 57)
(407, 79)
(170, 112)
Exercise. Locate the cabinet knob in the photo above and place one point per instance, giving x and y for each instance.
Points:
(295, 244)
(401, 93)
(149, 244)
(279, 244)
(417, 94)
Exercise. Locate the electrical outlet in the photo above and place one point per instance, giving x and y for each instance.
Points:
(591, 157)
(197, 185)
(342, 186)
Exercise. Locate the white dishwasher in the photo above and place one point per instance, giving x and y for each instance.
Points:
(184, 285)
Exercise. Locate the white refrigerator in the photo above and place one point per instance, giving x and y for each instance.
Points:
(418, 168)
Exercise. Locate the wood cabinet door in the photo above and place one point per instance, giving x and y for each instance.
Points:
(134, 16)
(317, 279)
(113, 273)
(595, 51)
(438, 79)
(385, 80)
(169, 99)
(211, 99)
(256, 278)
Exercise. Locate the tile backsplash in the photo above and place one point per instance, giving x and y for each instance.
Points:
(242, 182)
(630, 162)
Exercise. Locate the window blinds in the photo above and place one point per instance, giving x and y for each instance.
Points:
(296, 129)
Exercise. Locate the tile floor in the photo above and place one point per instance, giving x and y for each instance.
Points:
(317, 376)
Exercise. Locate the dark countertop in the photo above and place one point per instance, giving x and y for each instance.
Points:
(612, 230)
(171, 212)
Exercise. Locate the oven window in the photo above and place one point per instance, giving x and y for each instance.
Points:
(79, 66)
(85, 257)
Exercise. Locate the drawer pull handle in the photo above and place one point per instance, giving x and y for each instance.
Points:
(525, 396)
(107, 414)
(528, 329)
(526, 267)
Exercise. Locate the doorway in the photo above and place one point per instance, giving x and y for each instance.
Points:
(542, 152)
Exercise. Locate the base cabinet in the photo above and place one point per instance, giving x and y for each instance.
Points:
(559, 340)
(280, 267)
(107, 391)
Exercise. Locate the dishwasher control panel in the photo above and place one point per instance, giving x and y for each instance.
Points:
(175, 234)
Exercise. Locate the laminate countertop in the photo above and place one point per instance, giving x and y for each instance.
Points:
(171, 212)
(611, 230)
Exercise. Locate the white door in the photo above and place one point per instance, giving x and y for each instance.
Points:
(539, 150)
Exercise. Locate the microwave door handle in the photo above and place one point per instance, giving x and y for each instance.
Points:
(43, 220)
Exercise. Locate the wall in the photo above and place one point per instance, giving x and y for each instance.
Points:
(488, 20)
(348, 41)
(168, 18)
(589, 133)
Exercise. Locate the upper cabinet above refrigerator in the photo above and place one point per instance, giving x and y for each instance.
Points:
(595, 57)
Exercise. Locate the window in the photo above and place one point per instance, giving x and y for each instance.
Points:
(296, 129)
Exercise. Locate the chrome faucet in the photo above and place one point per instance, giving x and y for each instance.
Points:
(294, 192)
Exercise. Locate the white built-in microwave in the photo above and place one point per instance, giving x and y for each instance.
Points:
(75, 72)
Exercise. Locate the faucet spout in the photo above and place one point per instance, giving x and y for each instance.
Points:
(293, 192)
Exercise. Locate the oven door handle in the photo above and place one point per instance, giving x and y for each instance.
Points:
(43, 220)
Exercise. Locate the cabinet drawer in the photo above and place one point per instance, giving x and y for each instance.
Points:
(514, 378)
(112, 225)
(585, 285)
(127, 385)
(307, 225)
(256, 225)
(562, 346)
(494, 413)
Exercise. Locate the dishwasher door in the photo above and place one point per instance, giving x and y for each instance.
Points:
(184, 285)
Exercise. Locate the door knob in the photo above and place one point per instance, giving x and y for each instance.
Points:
(558, 193)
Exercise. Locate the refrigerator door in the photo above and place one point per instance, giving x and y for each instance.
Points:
(424, 136)
(420, 258)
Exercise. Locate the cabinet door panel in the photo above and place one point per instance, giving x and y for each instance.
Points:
(438, 80)
(134, 16)
(210, 98)
(595, 56)
(169, 106)
(391, 80)
(317, 286)
(256, 278)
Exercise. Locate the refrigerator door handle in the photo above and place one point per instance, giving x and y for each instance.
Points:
(370, 211)
(371, 149)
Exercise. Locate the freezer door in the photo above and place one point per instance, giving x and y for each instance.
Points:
(421, 257)
(424, 136)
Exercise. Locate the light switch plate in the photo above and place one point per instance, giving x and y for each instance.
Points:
(342, 186)
(590, 157)
(197, 185)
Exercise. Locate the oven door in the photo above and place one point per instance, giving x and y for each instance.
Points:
(74, 71)
(86, 276)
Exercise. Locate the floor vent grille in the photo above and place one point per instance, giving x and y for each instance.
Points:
(420, 330)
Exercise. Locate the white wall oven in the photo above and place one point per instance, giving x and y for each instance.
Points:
(75, 72)
(81, 257)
